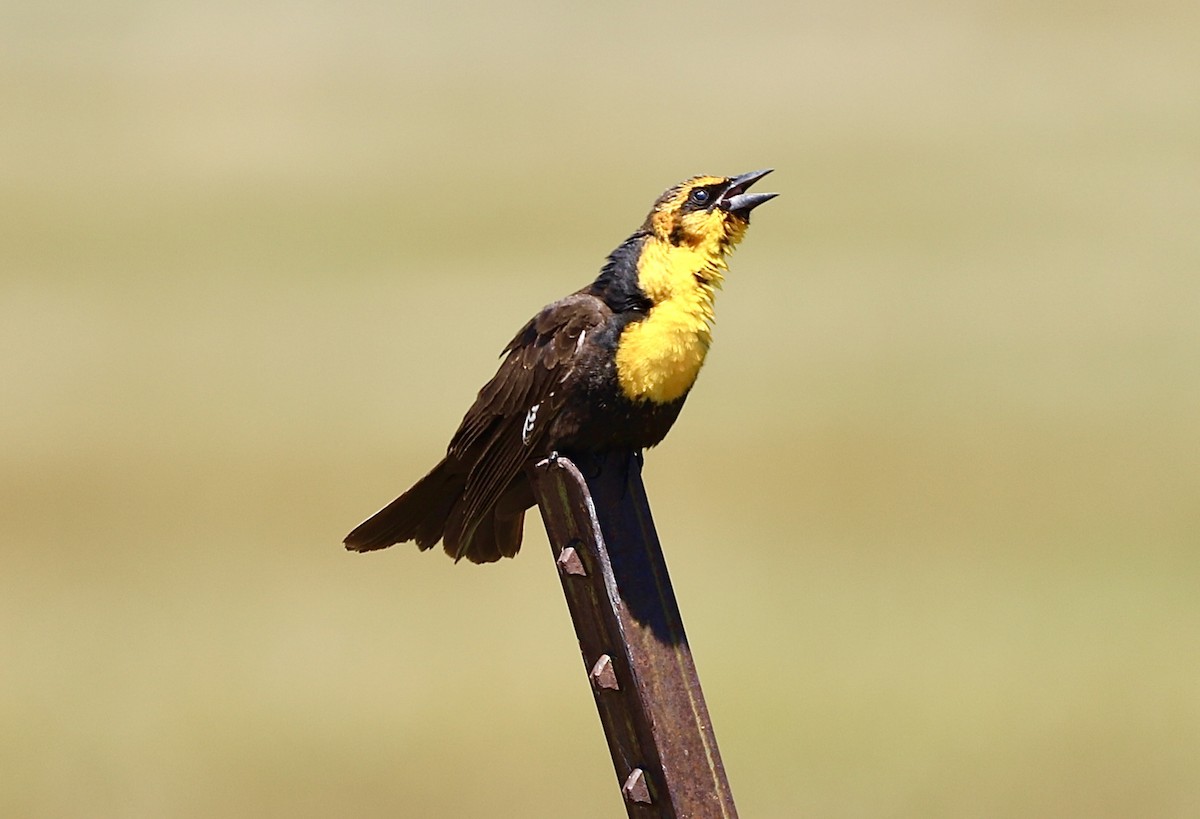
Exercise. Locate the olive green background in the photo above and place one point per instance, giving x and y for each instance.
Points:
(932, 513)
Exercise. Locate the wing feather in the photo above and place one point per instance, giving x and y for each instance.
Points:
(494, 439)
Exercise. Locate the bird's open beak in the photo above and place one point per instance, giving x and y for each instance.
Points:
(735, 200)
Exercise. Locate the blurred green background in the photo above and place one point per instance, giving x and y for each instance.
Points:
(932, 512)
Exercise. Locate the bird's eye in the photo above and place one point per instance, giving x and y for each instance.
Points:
(700, 196)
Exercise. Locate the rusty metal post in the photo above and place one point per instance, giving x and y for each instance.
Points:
(631, 636)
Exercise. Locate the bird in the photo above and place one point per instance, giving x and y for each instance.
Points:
(605, 369)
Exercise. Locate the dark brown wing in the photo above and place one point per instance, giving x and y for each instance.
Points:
(508, 421)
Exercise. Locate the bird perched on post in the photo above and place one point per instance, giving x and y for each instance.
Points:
(604, 369)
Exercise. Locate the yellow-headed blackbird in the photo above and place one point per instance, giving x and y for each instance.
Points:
(607, 368)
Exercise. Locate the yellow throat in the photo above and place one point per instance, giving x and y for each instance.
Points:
(659, 357)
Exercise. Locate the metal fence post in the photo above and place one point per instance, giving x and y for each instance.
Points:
(631, 635)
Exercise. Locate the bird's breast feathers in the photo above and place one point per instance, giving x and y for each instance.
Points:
(659, 357)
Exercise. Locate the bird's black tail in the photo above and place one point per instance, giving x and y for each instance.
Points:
(419, 514)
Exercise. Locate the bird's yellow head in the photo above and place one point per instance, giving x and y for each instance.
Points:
(706, 213)
(683, 244)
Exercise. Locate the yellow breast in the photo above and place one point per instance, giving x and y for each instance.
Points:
(659, 357)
